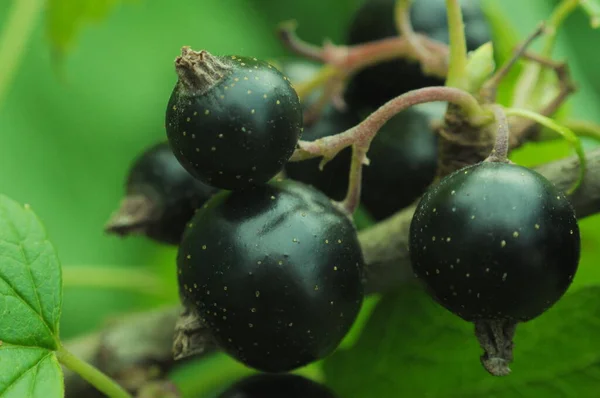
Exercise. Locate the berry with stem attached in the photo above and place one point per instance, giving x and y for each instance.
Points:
(275, 272)
(161, 197)
(232, 121)
(276, 385)
(496, 244)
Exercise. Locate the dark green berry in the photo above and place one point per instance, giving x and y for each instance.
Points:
(375, 20)
(495, 241)
(277, 386)
(403, 161)
(161, 197)
(232, 121)
(275, 272)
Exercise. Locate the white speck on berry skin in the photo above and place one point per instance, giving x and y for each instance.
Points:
(214, 148)
(437, 271)
(434, 209)
(250, 325)
(257, 293)
(504, 277)
(448, 239)
(473, 217)
(220, 135)
(184, 133)
(487, 270)
(467, 275)
(433, 238)
(571, 232)
(253, 111)
(503, 243)
(291, 324)
(197, 149)
(453, 192)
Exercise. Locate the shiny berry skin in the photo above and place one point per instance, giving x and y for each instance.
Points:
(403, 156)
(375, 20)
(275, 272)
(232, 121)
(161, 197)
(495, 241)
(277, 386)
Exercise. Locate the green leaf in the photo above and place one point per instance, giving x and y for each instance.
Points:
(30, 280)
(412, 347)
(65, 18)
(29, 372)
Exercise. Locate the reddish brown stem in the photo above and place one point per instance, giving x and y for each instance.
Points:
(364, 132)
(351, 59)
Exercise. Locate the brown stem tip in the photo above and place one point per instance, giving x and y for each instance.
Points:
(496, 339)
(199, 71)
(133, 216)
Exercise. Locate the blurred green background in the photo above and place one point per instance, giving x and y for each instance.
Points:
(78, 111)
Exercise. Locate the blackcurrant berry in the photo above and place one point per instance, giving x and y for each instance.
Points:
(275, 272)
(277, 386)
(333, 179)
(375, 20)
(232, 121)
(403, 161)
(161, 197)
(496, 244)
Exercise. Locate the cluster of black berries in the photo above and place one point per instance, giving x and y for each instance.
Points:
(273, 268)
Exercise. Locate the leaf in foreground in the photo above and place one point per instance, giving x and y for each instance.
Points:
(412, 347)
(30, 305)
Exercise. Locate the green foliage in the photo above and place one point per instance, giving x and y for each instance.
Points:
(65, 18)
(30, 295)
(30, 279)
(415, 348)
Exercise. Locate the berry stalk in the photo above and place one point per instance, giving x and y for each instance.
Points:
(344, 61)
(365, 131)
(500, 150)
(457, 71)
(404, 27)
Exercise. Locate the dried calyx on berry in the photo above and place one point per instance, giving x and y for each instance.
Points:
(160, 197)
(232, 121)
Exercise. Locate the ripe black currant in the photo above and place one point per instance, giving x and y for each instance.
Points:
(403, 157)
(496, 244)
(161, 197)
(375, 20)
(277, 386)
(232, 121)
(275, 272)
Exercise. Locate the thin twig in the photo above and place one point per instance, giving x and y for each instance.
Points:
(490, 88)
